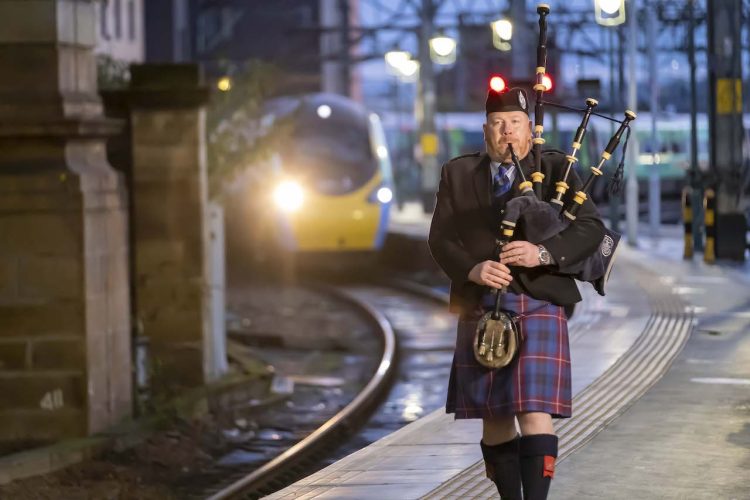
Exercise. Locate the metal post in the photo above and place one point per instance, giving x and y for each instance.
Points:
(725, 125)
(695, 181)
(614, 200)
(523, 42)
(425, 108)
(687, 220)
(345, 48)
(654, 184)
(631, 193)
(398, 173)
(461, 70)
(334, 47)
(193, 7)
(621, 66)
(709, 208)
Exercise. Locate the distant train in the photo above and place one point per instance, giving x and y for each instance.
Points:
(327, 190)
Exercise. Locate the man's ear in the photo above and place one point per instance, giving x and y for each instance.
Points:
(484, 131)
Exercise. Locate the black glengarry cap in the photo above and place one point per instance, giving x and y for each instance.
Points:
(514, 99)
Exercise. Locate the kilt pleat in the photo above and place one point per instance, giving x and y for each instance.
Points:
(537, 380)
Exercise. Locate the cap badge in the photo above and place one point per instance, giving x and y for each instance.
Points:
(522, 101)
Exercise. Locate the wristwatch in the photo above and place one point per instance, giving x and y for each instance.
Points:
(544, 257)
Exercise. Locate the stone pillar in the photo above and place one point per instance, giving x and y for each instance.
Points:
(179, 288)
(65, 357)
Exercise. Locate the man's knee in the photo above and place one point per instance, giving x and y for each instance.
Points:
(535, 423)
(498, 423)
(498, 429)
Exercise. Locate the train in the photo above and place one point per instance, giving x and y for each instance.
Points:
(326, 190)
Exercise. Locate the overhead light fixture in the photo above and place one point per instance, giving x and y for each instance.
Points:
(503, 28)
(502, 32)
(395, 60)
(609, 12)
(443, 49)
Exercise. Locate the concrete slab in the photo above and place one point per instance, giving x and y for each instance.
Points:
(689, 436)
(379, 492)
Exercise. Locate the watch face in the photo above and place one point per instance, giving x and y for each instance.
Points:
(543, 256)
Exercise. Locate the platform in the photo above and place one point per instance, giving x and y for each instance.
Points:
(661, 382)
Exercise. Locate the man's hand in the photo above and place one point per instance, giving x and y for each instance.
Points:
(491, 273)
(520, 253)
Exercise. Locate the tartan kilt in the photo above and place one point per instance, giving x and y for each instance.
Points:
(537, 380)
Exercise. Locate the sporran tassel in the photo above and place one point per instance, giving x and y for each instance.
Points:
(492, 342)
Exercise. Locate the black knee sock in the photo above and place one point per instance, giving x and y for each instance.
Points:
(538, 454)
(503, 468)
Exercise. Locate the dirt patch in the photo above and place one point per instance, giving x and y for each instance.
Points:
(153, 469)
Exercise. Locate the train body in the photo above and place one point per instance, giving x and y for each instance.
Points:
(327, 189)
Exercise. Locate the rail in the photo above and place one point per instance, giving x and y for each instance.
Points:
(341, 422)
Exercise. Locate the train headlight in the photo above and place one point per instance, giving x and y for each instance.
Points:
(385, 195)
(288, 196)
(381, 194)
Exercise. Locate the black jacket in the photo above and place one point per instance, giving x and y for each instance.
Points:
(464, 230)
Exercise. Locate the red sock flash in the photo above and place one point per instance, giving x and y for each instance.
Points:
(549, 466)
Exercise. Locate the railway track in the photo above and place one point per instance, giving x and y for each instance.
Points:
(384, 404)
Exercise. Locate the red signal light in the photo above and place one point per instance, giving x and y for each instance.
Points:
(497, 83)
(547, 82)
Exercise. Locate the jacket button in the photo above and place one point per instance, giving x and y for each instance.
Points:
(562, 258)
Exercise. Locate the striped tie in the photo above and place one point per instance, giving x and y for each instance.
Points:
(501, 183)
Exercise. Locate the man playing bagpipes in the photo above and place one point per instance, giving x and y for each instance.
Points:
(535, 387)
(513, 249)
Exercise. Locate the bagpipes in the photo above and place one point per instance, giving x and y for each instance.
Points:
(496, 338)
(542, 219)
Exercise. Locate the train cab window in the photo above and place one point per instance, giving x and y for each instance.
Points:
(333, 154)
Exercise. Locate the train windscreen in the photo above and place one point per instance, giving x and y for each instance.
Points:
(332, 154)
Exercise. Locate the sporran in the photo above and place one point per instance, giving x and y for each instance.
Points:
(496, 340)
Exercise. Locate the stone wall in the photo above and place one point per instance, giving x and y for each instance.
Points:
(65, 352)
(176, 276)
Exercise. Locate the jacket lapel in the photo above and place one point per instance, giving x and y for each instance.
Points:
(482, 183)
